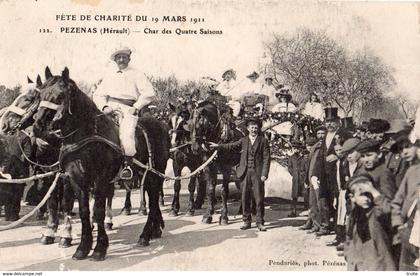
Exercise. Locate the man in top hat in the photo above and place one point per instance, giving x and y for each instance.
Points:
(126, 90)
(253, 171)
(324, 175)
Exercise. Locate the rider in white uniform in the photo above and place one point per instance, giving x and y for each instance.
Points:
(127, 90)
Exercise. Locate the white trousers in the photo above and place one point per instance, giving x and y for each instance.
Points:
(236, 107)
(128, 123)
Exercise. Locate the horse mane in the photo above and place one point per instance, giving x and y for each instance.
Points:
(211, 111)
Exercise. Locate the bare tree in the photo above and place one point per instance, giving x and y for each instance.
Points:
(310, 61)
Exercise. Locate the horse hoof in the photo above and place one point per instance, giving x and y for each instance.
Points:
(108, 226)
(80, 255)
(207, 220)
(65, 242)
(143, 212)
(173, 213)
(224, 221)
(98, 256)
(127, 212)
(143, 242)
(47, 240)
(190, 213)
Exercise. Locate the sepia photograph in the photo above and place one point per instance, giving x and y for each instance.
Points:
(259, 135)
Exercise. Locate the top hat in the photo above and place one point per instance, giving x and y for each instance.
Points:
(331, 114)
(253, 75)
(123, 50)
(347, 122)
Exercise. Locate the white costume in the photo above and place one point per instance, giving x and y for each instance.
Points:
(284, 128)
(314, 109)
(229, 90)
(270, 92)
(121, 90)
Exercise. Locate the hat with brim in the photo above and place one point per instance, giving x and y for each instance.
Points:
(231, 71)
(398, 125)
(369, 145)
(253, 75)
(357, 179)
(253, 120)
(378, 125)
(350, 145)
(320, 127)
(124, 50)
(283, 94)
(331, 114)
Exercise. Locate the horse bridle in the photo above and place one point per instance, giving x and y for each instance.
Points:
(203, 137)
(25, 114)
(59, 108)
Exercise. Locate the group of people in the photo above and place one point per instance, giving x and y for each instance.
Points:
(362, 184)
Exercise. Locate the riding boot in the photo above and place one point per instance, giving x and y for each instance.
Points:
(127, 173)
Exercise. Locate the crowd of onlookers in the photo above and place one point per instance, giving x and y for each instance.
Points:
(362, 183)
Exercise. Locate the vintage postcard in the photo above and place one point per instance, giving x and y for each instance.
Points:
(209, 135)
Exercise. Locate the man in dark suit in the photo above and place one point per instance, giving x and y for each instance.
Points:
(325, 169)
(252, 171)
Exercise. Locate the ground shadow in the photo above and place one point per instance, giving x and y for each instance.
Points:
(168, 244)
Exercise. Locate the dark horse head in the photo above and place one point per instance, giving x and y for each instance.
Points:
(64, 111)
(179, 123)
(19, 115)
(205, 125)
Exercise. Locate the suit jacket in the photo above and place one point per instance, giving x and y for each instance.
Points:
(261, 159)
(327, 171)
(297, 168)
(406, 195)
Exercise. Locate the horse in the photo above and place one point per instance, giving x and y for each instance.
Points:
(18, 117)
(182, 157)
(207, 126)
(13, 166)
(91, 156)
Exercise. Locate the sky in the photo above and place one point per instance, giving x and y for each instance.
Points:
(392, 30)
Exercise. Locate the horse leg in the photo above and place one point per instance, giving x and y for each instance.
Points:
(52, 204)
(127, 204)
(177, 188)
(67, 203)
(162, 195)
(102, 241)
(146, 235)
(201, 192)
(142, 208)
(191, 189)
(211, 177)
(224, 220)
(108, 209)
(85, 245)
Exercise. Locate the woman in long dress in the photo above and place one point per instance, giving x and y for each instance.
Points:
(284, 105)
